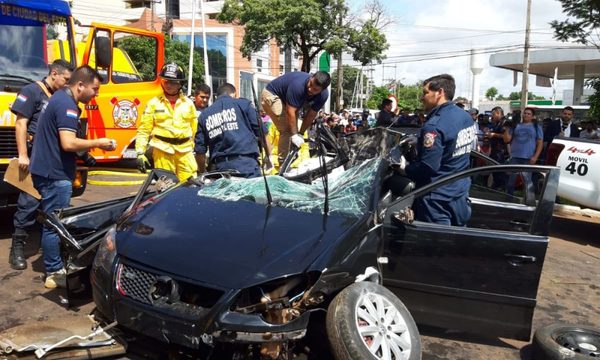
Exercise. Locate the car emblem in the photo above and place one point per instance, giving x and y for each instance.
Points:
(164, 290)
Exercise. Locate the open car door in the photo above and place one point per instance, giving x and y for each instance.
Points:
(82, 228)
(129, 61)
(479, 278)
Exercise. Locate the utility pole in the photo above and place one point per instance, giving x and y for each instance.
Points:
(207, 78)
(192, 45)
(361, 92)
(525, 82)
(152, 15)
(339, 102)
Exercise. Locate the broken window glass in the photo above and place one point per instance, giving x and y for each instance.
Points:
(349, 193)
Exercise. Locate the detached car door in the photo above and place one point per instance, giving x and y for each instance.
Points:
(479, 278)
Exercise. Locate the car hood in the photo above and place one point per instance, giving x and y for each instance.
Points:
(232, 244)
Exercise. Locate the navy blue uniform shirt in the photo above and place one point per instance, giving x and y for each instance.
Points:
(228, 127)
(29, 103)
(444, 148)
(384, 118)
(48, 159)
(291, 89)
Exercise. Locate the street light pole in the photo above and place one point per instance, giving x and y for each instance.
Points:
(207, 79)
(192, 46)
(525, 82)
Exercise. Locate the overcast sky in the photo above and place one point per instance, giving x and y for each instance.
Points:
(432, 37)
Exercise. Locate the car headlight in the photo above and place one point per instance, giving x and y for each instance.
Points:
(107, 251)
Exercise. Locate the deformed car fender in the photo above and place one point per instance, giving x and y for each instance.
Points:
(347, 263)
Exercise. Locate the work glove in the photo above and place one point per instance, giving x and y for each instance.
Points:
(268, 166)
(402, 163)
(142, 163)
(297, 140)
(412, 140)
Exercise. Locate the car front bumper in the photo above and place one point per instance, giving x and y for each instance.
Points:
(189, 326)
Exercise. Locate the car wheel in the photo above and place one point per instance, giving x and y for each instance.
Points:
(563, 341)
(367, 321)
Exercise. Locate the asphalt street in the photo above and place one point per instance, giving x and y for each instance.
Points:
(569, 289)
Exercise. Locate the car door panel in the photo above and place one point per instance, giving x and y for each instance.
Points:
(481, 279)
(460, 276)
(497, 215)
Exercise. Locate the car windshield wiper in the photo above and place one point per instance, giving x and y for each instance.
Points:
(323, 163)
(18, 77)
(263, 138)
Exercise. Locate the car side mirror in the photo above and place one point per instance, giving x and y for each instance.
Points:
(399, 185)
(103, 52)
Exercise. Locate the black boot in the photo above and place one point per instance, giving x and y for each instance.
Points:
(17, 252)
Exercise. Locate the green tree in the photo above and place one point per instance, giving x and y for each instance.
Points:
(530, 96)
(308, 26)
(141, 48)
(582, 25)
(409, 96)
(491, 93)
(377, 95)
(350, 75)
(514, 95)
(501, 97)
(366, 40)
(179, 52)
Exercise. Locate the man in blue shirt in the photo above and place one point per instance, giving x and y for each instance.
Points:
(27, 108)
(229, 129)
(526, 144)
(53, 158)
(283, 98)
(385, 117)
(444, 147)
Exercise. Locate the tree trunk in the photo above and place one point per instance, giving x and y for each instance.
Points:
(340, 83)
(305, 61)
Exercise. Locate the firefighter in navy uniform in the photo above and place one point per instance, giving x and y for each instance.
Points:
(170, 119)
(444, 146)
(27, 108)
(229, 129)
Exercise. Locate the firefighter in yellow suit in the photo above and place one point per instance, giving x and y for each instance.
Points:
(170, 120)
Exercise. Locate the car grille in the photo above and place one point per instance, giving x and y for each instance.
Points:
(137, 284)
(8, 143)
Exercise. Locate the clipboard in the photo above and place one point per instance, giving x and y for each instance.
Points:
(21, 179)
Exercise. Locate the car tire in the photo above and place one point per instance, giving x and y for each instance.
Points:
(564, 341)
(80, 190)
(352, 309)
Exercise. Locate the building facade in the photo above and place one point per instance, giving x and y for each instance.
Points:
(223, 41)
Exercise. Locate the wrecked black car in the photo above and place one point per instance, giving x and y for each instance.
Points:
(223, 263)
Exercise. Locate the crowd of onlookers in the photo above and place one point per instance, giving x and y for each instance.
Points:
(490, 122)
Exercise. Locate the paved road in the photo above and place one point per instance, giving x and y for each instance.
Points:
(569, 289)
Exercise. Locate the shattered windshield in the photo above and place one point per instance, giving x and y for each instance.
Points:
(349, 193)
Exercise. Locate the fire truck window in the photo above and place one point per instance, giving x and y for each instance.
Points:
(134, 58)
